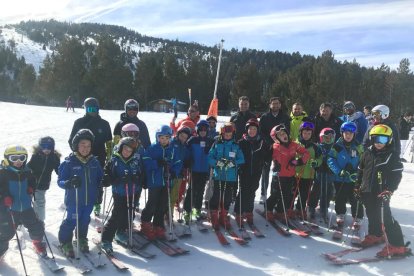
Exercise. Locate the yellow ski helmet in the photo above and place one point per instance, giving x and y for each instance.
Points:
(14, 153)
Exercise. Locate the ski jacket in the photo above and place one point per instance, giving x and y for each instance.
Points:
(283, 154)
(212, 133)
(362, 124)
(42, 167)
(240, 119)
(333, 122)
(118, 167)
(255, 151)
(100, 128)
(295, 122)
(227, 150)
(342, 157)
(155, 174)
(325, 149)
(143, 130)
(395, 143)
(183, 154)
(306, 171)
(15, 183)
(199, 148)
(268, 121)
(90, 173)
(387, 163)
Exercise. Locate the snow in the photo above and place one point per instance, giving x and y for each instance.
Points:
(273, 255)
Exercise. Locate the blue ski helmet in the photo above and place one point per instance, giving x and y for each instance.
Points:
(164, 130)
(349, 126)
(202, 124)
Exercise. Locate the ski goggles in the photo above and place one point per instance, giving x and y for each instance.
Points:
(381, 139)
(132, 107)
(227, 129)
(92, 109)
(17, 157)
(46, 146)
(133, 134)
(202, 128)
(280, 128)
(307, 125)
(329, 133)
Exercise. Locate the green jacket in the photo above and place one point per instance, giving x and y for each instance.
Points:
(306, 171)
(295, 122)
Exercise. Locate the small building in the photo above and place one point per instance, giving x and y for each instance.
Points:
(163, 105)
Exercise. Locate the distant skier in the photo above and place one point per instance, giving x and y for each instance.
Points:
(174, 106)
(69, 104)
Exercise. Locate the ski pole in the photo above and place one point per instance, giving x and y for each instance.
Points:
(379, 175)
(108, 212)
(128, 208)
(109, 204)
(169, 206)
(283, 203)
(353, 221)
(240, 208)
(104, 201)
(77, 223)
(18, 241)
(132, 211)
(48, 245)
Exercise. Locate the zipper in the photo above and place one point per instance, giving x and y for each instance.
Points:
(20, 192)
(86, 170)
(43, 170)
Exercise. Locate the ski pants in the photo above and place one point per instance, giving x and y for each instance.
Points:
(373, 210)
(69, 224)
(40, 204)
(156, 207)
(302, 193)
(196, 190)
(280, 185)
(321, 191)
(265, 178)
(344, 192)
(28, 218)
(247, 191)
(222, 195)
(119, 217)
(175, 190)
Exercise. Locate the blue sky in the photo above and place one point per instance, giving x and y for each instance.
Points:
(372, 32)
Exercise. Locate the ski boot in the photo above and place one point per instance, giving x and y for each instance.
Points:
(393, 251)
(39, 247)
(107, 247)
(312, 215)
(249, 218)
(371, 240)
(214, 219)
(340, 220)
(224, 219)
(67, 250)
(187, 218)
(121, 237)
(159, 232)
(83, 245)
(97, 209)
(356, 225)
(239, 220)
(270, 216)
(291, 214)
(147, 230)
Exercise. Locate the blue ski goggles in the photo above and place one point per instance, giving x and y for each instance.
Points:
(381, 139)
(307, 125)
(92, 109)
(46, 146)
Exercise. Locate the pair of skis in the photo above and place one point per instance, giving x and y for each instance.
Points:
(165, 246)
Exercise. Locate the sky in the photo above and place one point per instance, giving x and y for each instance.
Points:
(372, 32)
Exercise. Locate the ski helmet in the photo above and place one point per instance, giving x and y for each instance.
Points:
(131, 104)
(348, 127)
(227, 128)
(202, 125)
(327, 132)
(252, 122)
(183, 129)
(91, 105)
(307, 126)
(14, 153)
(381, 134)
(275, 130)
(82, 134)
(47, 143)
(381, 110)
(164, 130)
(349, 105)
(211, 118)
(127, 141)
(188, 123)
(130, 130)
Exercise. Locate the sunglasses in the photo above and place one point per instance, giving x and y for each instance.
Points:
(228, 129)
(17, 157)
(380, 139)
(46, 146)
(328, 133)
(308, 125)
(133, 134)
(92, 109)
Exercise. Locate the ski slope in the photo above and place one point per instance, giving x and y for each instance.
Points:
(272, 255)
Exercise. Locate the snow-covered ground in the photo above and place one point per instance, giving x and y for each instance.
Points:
(273, 255)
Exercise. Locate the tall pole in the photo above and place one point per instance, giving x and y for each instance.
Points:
(218, 69)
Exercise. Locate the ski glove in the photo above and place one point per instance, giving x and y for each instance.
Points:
(314, 163)
(230, 164)
(296, 162)
(29, 190)
(385, 196)
(106, 180)
(221, 163)
(353, 177)
(8, 201)
(74, 182)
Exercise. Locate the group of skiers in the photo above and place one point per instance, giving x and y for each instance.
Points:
(309, 159)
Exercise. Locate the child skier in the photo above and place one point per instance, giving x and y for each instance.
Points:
(287, 155)
(44, 161)
(305, 174)
(161, 165)
(380, 172)
(255, 151)
(17, 185)
(322, 187)
(212, 122)
(123, 172)
(225, 156)
(343, 161)
(199, 147)
(79, 174)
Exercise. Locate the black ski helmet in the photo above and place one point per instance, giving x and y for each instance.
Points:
(131, 104)
(91, 105)
(82, 134)
(47, 142)
(127, 141)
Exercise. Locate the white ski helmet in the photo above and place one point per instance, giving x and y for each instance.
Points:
(381, 110)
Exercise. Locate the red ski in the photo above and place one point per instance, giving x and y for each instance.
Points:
(222, 239)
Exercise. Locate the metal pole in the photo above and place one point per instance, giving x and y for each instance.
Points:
(218, 69)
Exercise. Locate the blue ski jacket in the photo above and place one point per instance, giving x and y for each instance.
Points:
(199, 148)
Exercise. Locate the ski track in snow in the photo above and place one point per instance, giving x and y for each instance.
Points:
(272, 255)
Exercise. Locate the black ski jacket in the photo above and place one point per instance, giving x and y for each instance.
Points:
(268, 121)
(395, 143)
(255, 152)
(42, 167)
(333, 122)
(143, 130)
(240, 119)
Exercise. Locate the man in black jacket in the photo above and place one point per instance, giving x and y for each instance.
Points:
(131, 107)
(242, 116)
(274, 117)
(102, 146)
(326, 118)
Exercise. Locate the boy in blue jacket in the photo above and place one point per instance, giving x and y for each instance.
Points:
(225, 157)
(161, 165)
(80, 173)
(343, 161)
(17, 185)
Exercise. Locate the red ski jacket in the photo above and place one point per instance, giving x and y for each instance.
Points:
(283, 154)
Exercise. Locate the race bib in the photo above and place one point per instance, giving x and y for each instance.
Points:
(232, 154)
(202, 144)
(353, 153)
